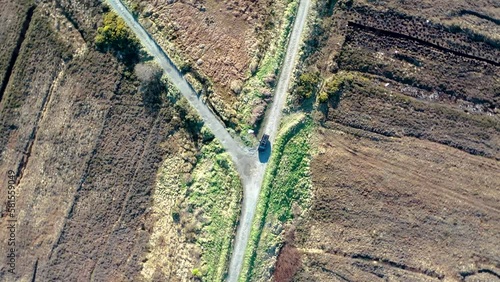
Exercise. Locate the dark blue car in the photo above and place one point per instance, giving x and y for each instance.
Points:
(263, 142)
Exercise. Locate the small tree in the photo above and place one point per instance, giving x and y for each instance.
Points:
(307, 85)
(115, 36)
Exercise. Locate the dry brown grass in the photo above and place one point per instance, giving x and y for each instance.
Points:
(403, 209)
(12, 17)
(214, 38)
(86, 150)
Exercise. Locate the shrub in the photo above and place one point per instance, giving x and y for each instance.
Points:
(334, 85)
(176, 216)
(206, 135)
(196, 273)
(115, 36)
(307, 84)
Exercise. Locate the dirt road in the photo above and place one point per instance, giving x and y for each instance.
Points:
(272, 122)
(246, 160)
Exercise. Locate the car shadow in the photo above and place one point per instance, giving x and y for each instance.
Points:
(266, 154)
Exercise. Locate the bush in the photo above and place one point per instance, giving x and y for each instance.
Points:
(307, 84)
(196, 273)
(115, 36)
(334, 85)
(185, 67)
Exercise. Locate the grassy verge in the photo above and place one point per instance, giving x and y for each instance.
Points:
(215, 193)
(204, 208)
(255, 87)
(285, 191)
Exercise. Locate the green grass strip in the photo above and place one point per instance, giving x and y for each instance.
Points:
(283, 184)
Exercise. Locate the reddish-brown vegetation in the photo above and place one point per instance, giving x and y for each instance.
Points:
(287, 264)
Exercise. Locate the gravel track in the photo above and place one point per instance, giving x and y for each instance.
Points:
(246, 160)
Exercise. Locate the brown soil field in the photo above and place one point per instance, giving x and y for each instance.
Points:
(399, 209)
(372, 106)
(85, 147)
(482, 16)
(406, 179)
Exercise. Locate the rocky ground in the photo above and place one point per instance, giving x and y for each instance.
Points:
(405, 182)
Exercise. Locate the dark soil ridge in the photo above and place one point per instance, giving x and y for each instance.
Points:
(387, 262)
(489, 271)
(420, 41)
(153, 129)
(482, 270)
(336, 274)
(453, 95)
(479, 15)
(35, 268)
(15, 52)
(453, 37)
